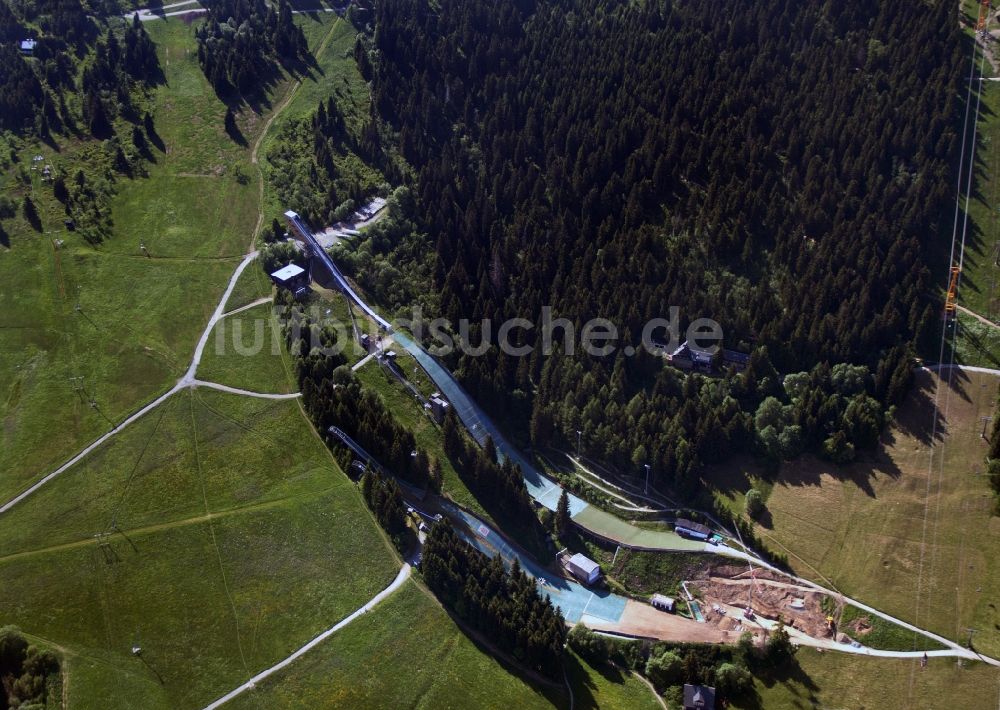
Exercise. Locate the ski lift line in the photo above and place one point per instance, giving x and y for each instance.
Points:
(944, 326)
(957, 280)
(131, 475)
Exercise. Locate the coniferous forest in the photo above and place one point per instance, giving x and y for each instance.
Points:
(89, 75)
(243, 41)
(782, 168)
(79, 77)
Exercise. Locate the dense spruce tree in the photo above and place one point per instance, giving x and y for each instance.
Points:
(11, 29)
(25, 670)
(563, 521)
(385, 500)
(337, 398)
(499, 486)
(71, 54)
(333, 396)
(21, 93)
(138, 56)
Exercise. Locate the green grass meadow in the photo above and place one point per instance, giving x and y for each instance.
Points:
(405, 653)
(235, 530)
(252, 285)
(139, 316)
(839, 680)
(975, 343)
(606, 686)
(245, 350)
(908, 529)
(884, 634)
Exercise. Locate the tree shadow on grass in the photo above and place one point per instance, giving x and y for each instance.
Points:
(958, 382)
(921, 418)
(809, 470)
(232, 128)
(155, 7)
(793, 677)
(313, 9)
(764, 519)
(152, 135)
(730, 479)
(258, 97)
(918, 417)
(981, 346)
(583, 687)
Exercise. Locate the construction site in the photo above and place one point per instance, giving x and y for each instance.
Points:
(734, 598)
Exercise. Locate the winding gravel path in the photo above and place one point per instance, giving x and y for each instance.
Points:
(242, 392)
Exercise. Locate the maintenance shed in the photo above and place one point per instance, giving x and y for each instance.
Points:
(584, 568)
(663, 603)
(438, 406)
(695, 531)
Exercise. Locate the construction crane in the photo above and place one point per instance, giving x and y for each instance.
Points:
(949, 302)
(984, 15)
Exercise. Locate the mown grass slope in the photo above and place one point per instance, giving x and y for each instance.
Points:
(405, 653)
(252, 285)
(837, 680)
(246, 350)
(139, 313)
(229, 539)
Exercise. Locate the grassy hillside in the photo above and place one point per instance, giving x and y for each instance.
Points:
(252, 285)
(834, 680)
(976, 343)
(139, 313)
(910, 529)
(405, 653)
(246, 350)
(234, 547)
(607, 687)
